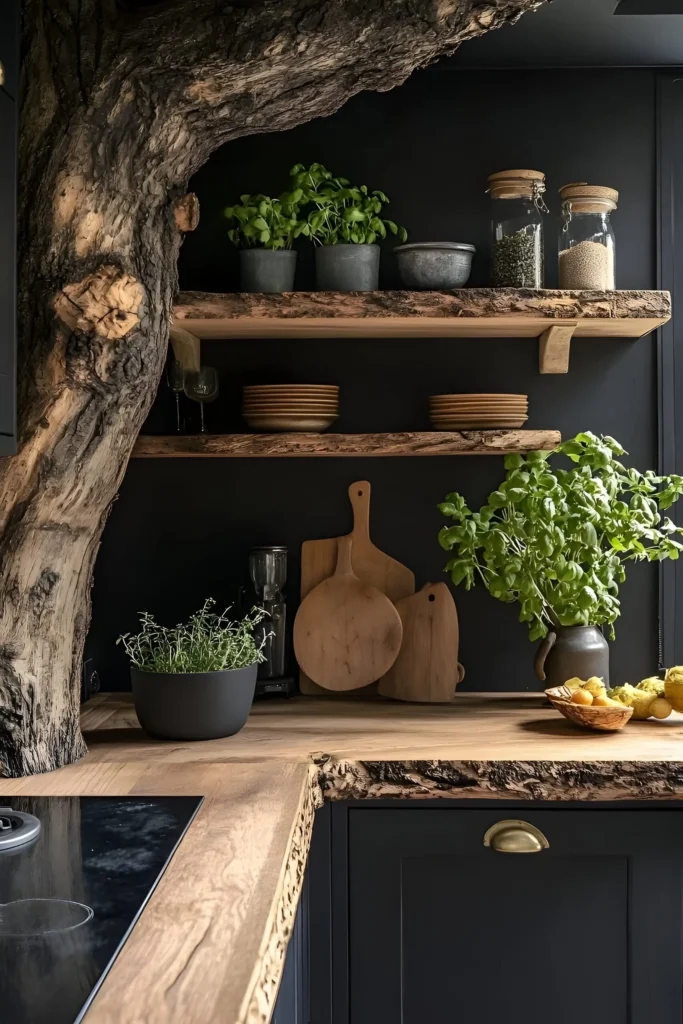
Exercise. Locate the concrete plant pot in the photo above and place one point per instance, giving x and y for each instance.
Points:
(434, 266)
(347, 268)
(267, 270)
(193, 705)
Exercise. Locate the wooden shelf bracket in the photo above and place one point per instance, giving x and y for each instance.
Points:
(554, 346)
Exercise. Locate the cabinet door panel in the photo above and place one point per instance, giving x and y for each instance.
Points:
(477, 933)
(443, 929)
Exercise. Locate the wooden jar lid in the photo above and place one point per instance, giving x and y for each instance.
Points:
(516, 184)
(589, 198)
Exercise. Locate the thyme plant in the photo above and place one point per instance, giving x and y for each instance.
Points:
(558, 540)
(343, 213)
(208, 642)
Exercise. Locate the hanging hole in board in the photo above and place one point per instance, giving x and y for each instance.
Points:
(432, 597)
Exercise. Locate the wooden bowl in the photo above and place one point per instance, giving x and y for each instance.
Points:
(601, 719)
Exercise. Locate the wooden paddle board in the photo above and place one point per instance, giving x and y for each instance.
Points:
(427, 668)
(346, 633)
(319, 558)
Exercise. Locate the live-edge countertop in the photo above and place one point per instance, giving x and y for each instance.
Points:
(210, 944)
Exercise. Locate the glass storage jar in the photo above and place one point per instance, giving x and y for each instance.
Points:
(586, 244)
(517, 209)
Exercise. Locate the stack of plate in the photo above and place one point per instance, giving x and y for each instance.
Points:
(295, 407)
(463, 412)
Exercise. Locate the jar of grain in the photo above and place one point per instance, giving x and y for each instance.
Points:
(586, 248)
(517, 209)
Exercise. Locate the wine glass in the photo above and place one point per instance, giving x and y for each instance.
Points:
(175, 376)
(202, 386)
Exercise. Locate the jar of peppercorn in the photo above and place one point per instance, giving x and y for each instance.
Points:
(517, 209)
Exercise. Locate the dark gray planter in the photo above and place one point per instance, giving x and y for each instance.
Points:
(193, 705)
(267, 270)
(347, 268)
(435, 265)
(570, 651)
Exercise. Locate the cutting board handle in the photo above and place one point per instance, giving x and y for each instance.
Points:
(359, 496)
(344, 565)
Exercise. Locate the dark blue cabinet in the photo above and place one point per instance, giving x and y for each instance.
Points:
(9, 61)
(292, 1006)
(425, 924)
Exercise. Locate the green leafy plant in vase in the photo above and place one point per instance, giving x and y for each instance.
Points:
(345, 224)
(557, 541)
(195, 680)
(264, 230)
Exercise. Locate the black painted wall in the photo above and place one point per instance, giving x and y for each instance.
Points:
(181, 530)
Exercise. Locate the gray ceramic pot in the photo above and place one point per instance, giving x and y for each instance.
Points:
(570, 651)
(347, 268)
(193, 705)
(435, 265)
(267, 270)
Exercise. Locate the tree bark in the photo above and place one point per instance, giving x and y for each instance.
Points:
(119, 108)
(467, 303)
(300, 445)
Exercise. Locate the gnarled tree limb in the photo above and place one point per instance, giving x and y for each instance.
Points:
(119, 107)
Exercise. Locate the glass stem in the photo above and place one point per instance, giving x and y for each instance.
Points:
(201, 417)
(177, 411)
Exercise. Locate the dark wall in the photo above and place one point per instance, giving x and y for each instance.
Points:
(181, 529)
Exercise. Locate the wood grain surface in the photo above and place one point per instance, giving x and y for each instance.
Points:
(209, 946)
(476, 726)
(427, 668)
(319, 558)
(347, 633)
(439, 314)
(254, 446)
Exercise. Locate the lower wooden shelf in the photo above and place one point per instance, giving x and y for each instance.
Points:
(254, 446)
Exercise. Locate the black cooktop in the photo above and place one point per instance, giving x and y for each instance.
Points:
(69, 898)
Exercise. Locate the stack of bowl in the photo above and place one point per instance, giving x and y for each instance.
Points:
(468, 412)
(293, 407)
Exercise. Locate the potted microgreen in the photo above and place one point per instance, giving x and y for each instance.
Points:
(196, 680)
(264, 231)
(558, 541)
(345, 225)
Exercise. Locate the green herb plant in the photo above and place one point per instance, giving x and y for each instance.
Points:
(342, 213)
(208, 642)
(264, 223)
(558, 540)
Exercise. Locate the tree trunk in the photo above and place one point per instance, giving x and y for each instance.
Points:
(119, 107)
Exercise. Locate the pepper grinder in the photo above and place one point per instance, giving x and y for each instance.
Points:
(268, 573)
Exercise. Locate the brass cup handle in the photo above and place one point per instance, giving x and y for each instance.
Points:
(515, 837)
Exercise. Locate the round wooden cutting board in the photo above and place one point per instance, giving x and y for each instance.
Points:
(346, 633)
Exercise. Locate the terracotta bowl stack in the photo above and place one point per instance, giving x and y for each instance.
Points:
(309, 408)
(469, 412)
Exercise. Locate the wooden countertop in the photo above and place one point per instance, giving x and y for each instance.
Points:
(210, 944)
(480, 727)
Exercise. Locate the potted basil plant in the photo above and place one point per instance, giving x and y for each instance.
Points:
(196, 680)
(345, 225)
(558, 541)
(264, 230)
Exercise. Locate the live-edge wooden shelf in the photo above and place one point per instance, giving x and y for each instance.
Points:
(552, 316)
(467, 442)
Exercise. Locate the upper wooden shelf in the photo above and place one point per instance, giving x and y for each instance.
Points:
(552, 316)
(467, 442)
